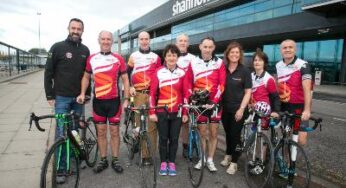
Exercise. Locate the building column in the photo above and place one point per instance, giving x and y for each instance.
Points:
(343, 62)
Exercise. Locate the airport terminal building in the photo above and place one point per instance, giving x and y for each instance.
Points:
(318, 26)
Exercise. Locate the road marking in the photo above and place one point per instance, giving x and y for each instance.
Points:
(339, 119)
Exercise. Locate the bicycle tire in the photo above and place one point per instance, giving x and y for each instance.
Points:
(301, 175)
(49, 170)
(90, 143)
(148, 172)
(131, 142)
(258, 168)
(195, 147)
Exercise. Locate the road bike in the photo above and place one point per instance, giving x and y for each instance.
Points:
(64, 156)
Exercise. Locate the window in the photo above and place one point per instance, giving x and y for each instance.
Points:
(264, 15)
(340, 44)
(283, 11)
(327, 51)
(310, 51)
(262, 6)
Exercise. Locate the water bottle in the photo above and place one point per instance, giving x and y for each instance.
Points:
(77, 137)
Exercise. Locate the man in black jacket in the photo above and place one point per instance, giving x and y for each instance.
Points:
(62, 78)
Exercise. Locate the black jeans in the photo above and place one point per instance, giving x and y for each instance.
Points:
(233, 131)
(169, 128)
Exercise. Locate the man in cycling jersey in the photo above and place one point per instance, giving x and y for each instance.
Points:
(208, 73)
(106, 68)
(184, 60)
(142, 65)
(294, 86)
(62, 78)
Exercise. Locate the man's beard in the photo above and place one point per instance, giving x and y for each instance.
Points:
(74, 37)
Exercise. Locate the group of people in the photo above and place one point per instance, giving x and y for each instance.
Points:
(230, 84)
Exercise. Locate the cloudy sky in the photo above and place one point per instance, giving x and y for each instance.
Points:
(19, 19)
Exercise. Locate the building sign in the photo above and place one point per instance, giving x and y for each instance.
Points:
(182, 6)
(318, 77)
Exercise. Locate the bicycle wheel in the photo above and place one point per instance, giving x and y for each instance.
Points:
(56, 168)
(259, 160)
(90, 143)
(131, 142)
(195, 155)
(289, 171)
(148, 172)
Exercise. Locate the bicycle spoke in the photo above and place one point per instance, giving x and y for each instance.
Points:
(90, 144)
(259, 161)
(59, 166)
(284, 166)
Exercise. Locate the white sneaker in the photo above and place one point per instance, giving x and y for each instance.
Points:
(226, 160)
(232, 169)
(211, 166)
(198, 166)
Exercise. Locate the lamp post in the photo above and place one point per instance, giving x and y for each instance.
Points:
(39, 32)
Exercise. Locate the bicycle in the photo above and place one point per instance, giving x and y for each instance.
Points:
(195, 149)
(259, 159)
(57, 163)
(291, 161)
(136, 141)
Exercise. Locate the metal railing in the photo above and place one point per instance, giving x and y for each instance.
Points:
(14, 61)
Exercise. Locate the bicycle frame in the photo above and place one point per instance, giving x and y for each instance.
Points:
(67, 135)
(287, 130)
(193, 138)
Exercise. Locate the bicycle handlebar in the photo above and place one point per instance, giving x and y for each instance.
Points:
(196, 107)
(36, 119)
(146, 108)
(317, 121)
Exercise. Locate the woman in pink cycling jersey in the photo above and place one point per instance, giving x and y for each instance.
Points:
(263, 84)
(167, 89)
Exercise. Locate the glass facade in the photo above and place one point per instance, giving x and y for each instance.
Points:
(239, 15)
(325, 55)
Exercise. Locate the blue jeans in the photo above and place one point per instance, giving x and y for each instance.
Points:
(65, 105)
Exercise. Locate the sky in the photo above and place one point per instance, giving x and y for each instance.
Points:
(19, 22)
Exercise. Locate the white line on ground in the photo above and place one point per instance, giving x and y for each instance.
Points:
(339, 119)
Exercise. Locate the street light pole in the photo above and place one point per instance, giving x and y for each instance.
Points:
(39, 32)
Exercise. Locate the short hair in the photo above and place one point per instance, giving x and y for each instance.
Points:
(171, 48)
(259, 53)
(230, 46)
(76, 20)
(104, 31)
(182, 35)
(208, 38)
(288, 40)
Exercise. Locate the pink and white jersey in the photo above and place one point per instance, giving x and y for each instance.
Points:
(262, 86)
(209, 76)
(184, 61)
(106, 70)
(144, 66)
(290, 79)
(168, 88)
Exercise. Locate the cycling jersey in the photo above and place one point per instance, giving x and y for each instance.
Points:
(184, 61)
(208, 75)
(143, 66)
(262, 86)
(168, 88)
(106, 68)
(290, 79)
